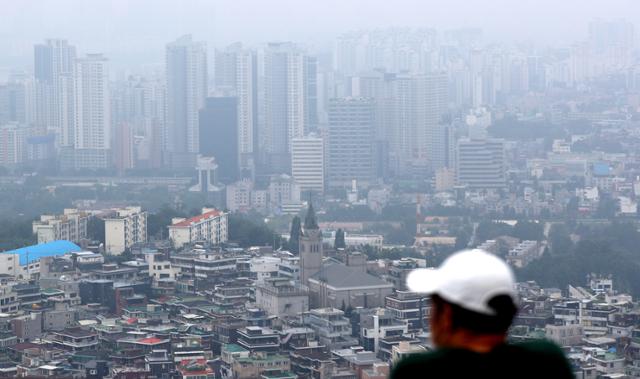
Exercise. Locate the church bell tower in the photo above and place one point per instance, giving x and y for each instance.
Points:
(310, 247)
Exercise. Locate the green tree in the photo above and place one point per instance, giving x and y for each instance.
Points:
(294, 235)
(16, 233)
(528, 230)
(560, 239)
(95, 229)
(487, 230)
(339, 242)
(607, 207)
(246, 231)
(157, 222)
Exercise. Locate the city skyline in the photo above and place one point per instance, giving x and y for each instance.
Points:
(134, 33)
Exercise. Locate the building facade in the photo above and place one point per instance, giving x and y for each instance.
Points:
(92, 129)
(186, 75)
(210, 227)
(219, 135)
(70, 226)
(480, 164)
(350, 145)
(307, 163)
(128, 227)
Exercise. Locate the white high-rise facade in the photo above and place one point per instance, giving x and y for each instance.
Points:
(236, 74)
(92, 132)
(420, 103)
(247, 108)
(281, 110)
(54, 66)
(307, 163)
(186, 73)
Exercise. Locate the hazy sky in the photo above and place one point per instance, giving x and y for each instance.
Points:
(137, 30)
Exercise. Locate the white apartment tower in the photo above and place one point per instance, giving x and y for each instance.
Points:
(420, 103)
(236, 73)
(281, 109)
(186, 74)
(92, 132)
(307, 163)
(54, 66)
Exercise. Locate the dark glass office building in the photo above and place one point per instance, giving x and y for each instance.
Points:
(219, 135)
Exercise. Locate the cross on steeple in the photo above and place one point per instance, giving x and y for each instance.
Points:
(310, 220)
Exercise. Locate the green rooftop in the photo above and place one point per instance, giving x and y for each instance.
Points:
(51, 291)
(268, 358)
(277, 374)
(234, 348)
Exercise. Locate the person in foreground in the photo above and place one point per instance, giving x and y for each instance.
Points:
(473, 304)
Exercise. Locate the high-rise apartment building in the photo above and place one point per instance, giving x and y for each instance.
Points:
(350, 149)
(92, 130)
(420, 102)
(481, 164)
(236, 73)
(281, 96)
(186, 74)
(13, 144)
(54, 67)
(307, 163)
(17, 101)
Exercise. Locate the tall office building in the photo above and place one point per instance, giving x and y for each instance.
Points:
(351, 136)
(186, 71)
(480, 164)
(281, 109)
(307, 163)
(219, 135)
(54, 66)
(92, 132)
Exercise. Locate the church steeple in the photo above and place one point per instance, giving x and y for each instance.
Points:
(310, 246)
(310, 220)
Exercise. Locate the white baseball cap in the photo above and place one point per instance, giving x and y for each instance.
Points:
(469, 279)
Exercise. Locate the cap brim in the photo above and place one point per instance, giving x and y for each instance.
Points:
(424, 280)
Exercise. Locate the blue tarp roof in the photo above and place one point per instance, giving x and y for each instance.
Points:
(48, 249)
(601, 169)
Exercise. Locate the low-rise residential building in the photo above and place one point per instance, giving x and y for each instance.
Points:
(258, 339)
(195, 369)
(209, 227)
(124, 229)
(75, 339)
(70, 226)
(379, 324)
(331, 327)
(524, 253)
(282, 297)
(257, 364)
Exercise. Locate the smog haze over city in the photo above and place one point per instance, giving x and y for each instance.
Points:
(239, 189)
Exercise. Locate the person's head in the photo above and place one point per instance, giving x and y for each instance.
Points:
(473, 299)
